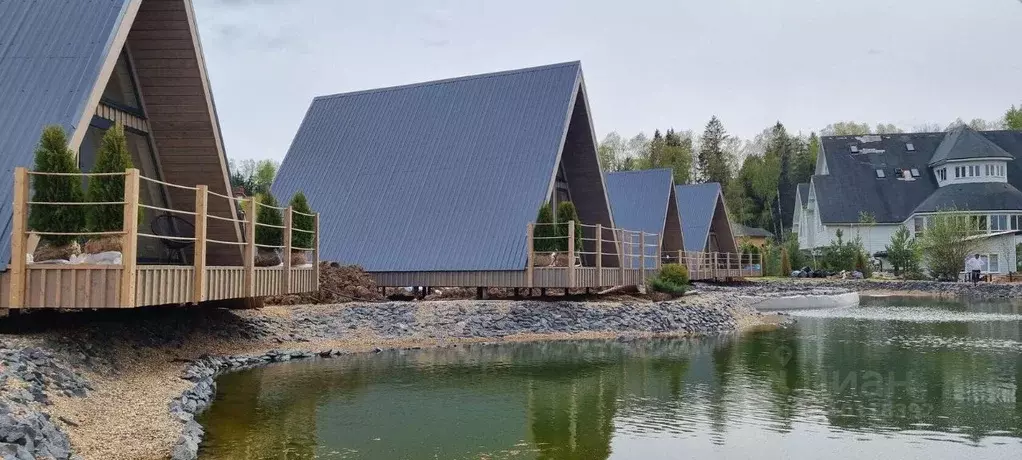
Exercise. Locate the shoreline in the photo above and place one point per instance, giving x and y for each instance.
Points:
(148, 372)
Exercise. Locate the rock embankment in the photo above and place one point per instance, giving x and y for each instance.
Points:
(934, 288)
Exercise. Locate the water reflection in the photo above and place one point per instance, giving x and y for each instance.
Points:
(839, 385)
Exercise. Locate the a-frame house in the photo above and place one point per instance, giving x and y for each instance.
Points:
(644, 201)
(84, 66)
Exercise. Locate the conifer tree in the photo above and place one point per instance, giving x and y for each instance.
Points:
(113, 157)
(301, 221)
(269, 215)
(544, 232)
(53, 155)
(566, 213)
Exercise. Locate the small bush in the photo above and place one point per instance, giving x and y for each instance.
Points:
(565, 213)
(862, 265)
(300, 221)
(659, 284)
(674, 273)
(544, 232)
(52, 155)
(268, 236)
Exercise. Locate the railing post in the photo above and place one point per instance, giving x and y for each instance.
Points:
(659, 254)
(715, 268)
(530, 249)
(250, 245)
(729, 267)
(129, 240)
(621, 254)
(199, 257)
(571, 253)
(599, 255)
(315, 250)
(19, 239)
(285, 283)
(642, 257)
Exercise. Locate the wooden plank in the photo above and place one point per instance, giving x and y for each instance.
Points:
(199, 262)
(19, 239)
(599, 255)
(315, 252)
(129, 241)
(286, 257)
(571, 253)
(250, 247)
(530, 249)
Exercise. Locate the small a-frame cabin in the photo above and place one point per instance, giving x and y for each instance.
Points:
(439, 183)
(710, 248)
(644, 200)
(84, 66)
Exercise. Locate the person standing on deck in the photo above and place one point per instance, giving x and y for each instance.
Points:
(973, 266)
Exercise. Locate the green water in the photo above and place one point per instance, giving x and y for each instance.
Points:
(893, 378)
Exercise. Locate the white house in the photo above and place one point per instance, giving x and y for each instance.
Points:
(869, 186)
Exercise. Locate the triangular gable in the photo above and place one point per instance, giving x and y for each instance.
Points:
(703, 211)
(644, 201)
(444, 175)
(153, 41)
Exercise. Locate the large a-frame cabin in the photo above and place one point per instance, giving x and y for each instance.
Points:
(84, 66)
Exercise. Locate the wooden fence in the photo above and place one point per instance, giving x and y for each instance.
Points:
(131, 284)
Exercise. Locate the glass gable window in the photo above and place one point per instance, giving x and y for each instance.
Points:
(918, 223)
(120, 91)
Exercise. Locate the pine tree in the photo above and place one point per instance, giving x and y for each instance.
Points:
(780, 145)
(712, 161)
(113, 157)
(544, 233)
(301, 221)
(269, 215)
(53, 155)
(566, 213)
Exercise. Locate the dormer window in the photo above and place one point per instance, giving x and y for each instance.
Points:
(915, 172)
(910, 147)
(855, 148)
(880, 174)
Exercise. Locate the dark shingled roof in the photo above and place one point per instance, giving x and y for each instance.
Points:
(803, 193)
(984, 196)
(965, 143)
(436, 176)
(50, 58)
(852, 185)
(743, 230)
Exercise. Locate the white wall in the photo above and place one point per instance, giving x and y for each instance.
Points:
(1002, 245)
(874, 238)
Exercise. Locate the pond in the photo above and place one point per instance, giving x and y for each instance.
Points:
(892, 378)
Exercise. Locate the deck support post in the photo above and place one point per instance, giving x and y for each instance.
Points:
(129, 240)
(530, 249)
(199, 260)
(642, 257)
(315, 250)
(19, 239)
(285, 281)
(480, 293)
(250, 246)
(599, 255)
(571, 255)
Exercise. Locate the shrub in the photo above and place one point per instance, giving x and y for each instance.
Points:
(544, 234)
(659, 284)
(268, 236)
(785, 262)
(566, 213)
(862, 265)
(113, 156)
(674, 273)
(301, 221)
(52, 155)
(903, 252)
(945, 244)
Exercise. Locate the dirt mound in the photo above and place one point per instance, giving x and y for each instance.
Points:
(337, 284)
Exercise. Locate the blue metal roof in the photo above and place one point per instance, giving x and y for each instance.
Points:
(437, 176)
(696, 204)
(50, 56)
(638, 200)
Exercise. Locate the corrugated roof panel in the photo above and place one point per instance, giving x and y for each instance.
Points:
(435, 176)
(50, 55)
(696, 204)
(638, 201)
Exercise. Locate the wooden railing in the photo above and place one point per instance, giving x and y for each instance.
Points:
(637, 254)
(129, 234)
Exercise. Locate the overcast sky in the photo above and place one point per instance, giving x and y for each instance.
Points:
(648, 63)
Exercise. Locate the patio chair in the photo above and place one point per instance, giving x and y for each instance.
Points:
(173, 226)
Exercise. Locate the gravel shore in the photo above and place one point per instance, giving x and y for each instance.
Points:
(126, 384)
(895, 287)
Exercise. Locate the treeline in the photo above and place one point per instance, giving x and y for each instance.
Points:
(759, 175)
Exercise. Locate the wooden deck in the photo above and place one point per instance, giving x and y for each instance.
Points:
(130, 284)
(609, 257)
